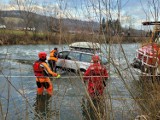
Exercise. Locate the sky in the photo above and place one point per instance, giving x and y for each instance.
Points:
(132, 12)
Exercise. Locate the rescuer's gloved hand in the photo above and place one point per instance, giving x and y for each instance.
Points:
(58, 76)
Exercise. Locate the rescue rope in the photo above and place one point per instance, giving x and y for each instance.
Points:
(49, 77)
(71, 76)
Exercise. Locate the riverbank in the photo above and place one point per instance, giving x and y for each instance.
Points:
(10, 37)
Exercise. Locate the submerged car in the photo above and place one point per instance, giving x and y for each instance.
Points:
(77, 60)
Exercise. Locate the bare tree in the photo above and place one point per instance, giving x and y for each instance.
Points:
(26, 8)
(152, 9)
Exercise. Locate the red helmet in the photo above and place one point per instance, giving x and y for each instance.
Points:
(95, 58)
(42, 55)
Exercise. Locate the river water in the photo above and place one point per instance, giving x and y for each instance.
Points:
(18, 99)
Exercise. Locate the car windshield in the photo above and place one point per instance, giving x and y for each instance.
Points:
(74, 56)
(63, 54)
(86, 57)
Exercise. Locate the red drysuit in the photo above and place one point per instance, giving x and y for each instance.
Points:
(96, 75)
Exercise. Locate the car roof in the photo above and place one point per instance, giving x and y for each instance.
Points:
(78, 51)
(87, 45)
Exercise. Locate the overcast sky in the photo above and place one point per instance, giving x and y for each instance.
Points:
(132, 12)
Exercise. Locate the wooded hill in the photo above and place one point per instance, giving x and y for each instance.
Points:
(21, 19)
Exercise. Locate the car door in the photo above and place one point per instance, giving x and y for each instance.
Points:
(72, 60)
(62, 56)
(85, 61)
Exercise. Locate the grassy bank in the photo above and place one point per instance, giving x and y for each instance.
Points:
(19, 37)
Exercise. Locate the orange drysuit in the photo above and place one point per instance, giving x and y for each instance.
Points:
(42, 73)
(53, 59)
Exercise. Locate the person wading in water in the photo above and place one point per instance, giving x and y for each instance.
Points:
(53, 59)
(42, 73)
(96, 76)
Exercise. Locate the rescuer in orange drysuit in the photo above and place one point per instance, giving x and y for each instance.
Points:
(96, 75)
(42, 73)
(53, 59)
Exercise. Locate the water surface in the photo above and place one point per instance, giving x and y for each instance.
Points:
(18, 89)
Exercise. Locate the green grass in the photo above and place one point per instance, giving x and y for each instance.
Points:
(20, 32)
(15, 32)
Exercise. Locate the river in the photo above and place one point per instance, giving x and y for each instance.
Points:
(18, 99)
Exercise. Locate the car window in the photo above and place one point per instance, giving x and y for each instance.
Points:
(86, 57)
(63, 54)
(74, 56)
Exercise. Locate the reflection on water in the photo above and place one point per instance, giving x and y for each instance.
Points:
(94, 109)
(43, 107)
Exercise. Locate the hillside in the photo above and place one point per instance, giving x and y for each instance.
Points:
(20, 19)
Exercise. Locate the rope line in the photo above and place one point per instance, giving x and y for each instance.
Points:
(12, 76)
(49, 77)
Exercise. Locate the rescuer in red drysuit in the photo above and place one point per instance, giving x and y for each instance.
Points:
(42, 73)
(96, 75)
